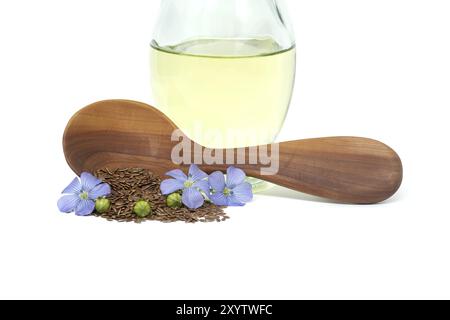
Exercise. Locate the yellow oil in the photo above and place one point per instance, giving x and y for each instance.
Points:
(224, 93)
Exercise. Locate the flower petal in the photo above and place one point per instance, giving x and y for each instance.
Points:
(217, 181)
(102, 190)
(243, 193)
(232, 202)
(88, 181)
(85, 207)
(235, 177)
(74, 187)
(177, 174)
(192, 198)
(170, 186)
(196, 174)
(219, 199)
(68, 203)
(203, 185)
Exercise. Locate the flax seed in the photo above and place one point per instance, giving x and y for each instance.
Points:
(129, 185)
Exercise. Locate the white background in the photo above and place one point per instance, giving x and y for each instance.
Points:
(379, 69)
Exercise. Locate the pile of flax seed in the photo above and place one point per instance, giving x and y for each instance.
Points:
(130, 185)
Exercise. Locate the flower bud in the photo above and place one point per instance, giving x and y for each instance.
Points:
(142, 209)
(102, 205)
(174, 200)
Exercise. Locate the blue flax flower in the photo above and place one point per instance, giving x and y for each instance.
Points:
(80, 196)
(192, 185)
(233, 191)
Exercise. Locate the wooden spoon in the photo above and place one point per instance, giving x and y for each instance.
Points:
(121, 134)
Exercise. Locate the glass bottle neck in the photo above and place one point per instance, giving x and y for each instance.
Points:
(200, 23)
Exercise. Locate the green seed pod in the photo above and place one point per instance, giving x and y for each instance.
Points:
(102, 205)
(142, 209)
(174, 200)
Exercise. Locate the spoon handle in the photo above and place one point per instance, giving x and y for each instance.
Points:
(344, 169)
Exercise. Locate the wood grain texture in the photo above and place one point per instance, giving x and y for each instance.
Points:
(121, 133)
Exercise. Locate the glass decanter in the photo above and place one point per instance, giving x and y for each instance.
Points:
(224, 70)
